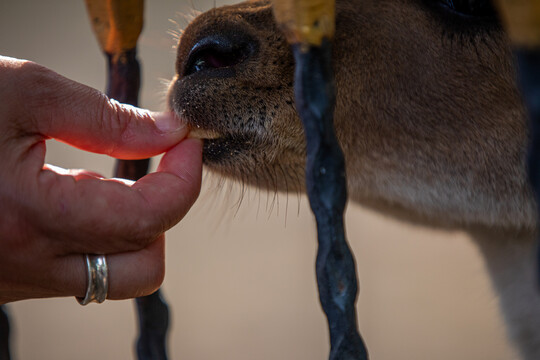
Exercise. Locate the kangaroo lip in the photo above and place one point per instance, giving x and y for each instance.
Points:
(203, 134)
(225, 148)
(196, 131)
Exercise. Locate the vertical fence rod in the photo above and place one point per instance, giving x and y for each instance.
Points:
(522, 22)
(117, 24)
(4, 334)
(326, 186)
(309, 27)
(529, 79)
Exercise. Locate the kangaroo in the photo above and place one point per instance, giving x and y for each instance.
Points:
(428, 114)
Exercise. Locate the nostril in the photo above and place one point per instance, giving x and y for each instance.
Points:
(215, 59)
(217, 52)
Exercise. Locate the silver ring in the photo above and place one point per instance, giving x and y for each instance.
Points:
(97, 280)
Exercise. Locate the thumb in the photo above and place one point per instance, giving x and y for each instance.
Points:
(83, 117)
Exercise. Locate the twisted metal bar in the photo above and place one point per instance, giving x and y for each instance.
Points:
(309, 26)
(4, 334)
(326, 187)
(529, 79)
(153, 325)
(117, 25)
(521, 19)
(123, 85)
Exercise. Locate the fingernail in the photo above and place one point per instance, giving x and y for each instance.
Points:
(168, 123)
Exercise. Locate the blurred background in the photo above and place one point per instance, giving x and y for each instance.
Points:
(240, 274)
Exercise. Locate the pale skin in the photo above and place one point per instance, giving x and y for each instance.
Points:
(50, 217)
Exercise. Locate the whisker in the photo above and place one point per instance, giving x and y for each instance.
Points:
(257, 184)
(286, 192)
(241, 196)
(276, 187)
(272, 177)
(298, 194)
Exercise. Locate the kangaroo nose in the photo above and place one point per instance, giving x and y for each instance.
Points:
(219, 51)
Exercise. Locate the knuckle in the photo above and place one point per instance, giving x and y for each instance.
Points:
(34, 86)
(106, 120)
(115, 120)
(29, 71)
(144, 233)
(138, 242)
(27, 80)
(43, 82)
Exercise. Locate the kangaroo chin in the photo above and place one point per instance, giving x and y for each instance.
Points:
(428, 115)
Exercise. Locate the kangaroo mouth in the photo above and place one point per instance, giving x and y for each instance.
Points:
(223, 148)
(218, 148)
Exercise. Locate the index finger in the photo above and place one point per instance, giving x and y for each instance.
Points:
(60, 108)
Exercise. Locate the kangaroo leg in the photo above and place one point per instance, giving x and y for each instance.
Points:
(510, 260)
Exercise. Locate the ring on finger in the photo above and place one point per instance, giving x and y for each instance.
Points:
(97, 279)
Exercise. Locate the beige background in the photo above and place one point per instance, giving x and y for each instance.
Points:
(240, 278)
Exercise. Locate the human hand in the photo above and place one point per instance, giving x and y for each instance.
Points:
(49, 218)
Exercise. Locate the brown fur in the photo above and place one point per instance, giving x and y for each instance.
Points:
(428, 115)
